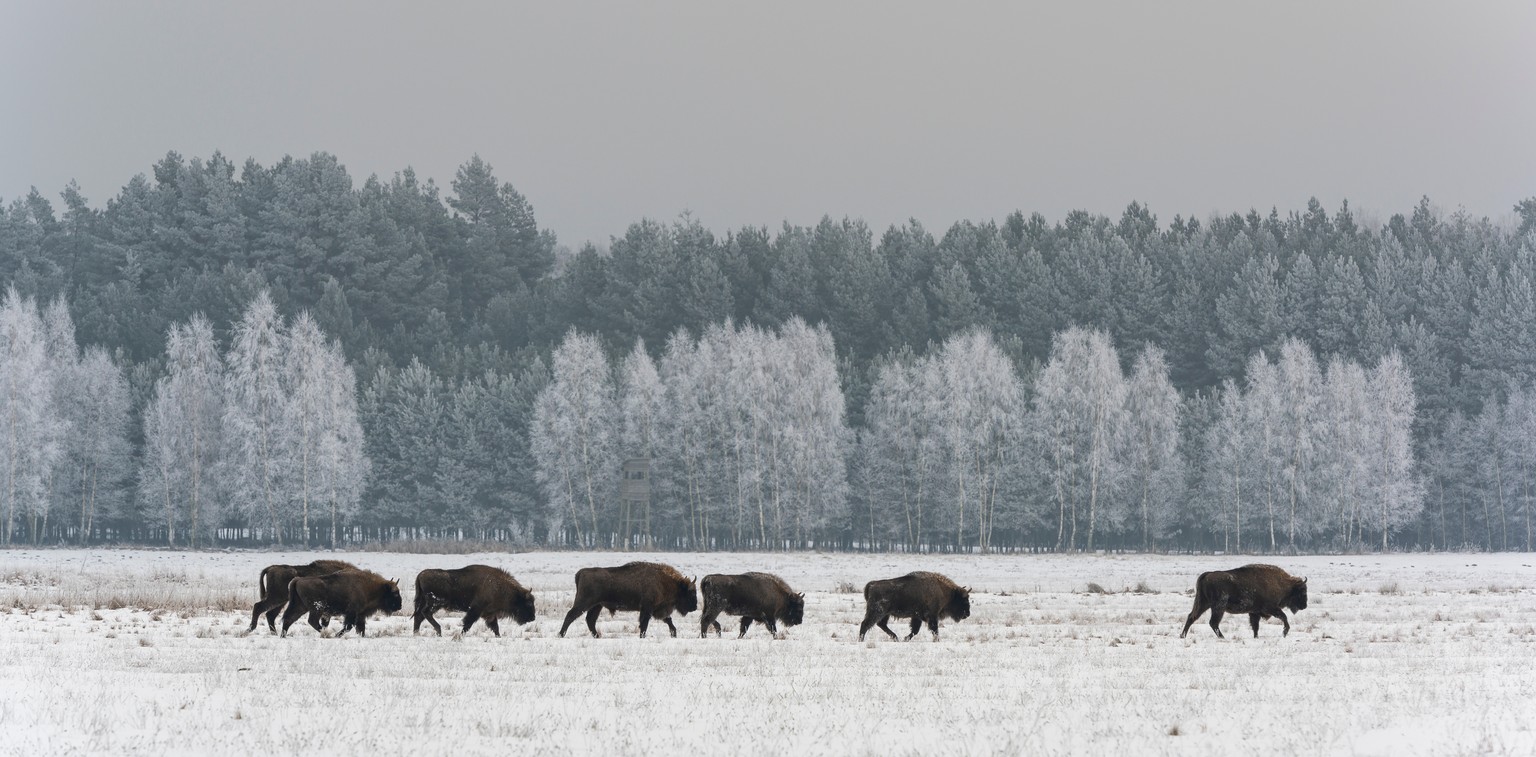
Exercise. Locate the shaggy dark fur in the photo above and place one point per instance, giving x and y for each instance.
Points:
(1262, 591)
(353, 594)
(762, 597)
(924, 597)
(274, 587)
(478, 591)
(655, 590)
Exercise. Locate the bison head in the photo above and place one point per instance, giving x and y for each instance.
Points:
(959, 606)
(794, 610)
(522, 608)
(390, 603)
(1297, 599)
(687, 597)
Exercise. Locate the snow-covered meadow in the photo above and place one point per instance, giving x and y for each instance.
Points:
(114, 651)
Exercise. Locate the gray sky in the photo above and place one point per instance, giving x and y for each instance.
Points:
(602, 113)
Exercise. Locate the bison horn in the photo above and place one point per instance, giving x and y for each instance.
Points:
(1303, 579)
(801, 595)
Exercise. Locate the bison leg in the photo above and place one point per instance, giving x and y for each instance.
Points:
(1281, 615)
(887, 629)
(290, 615)
(592, 621)
(708, 619)
(917, 625)
(494, 625)
(427, 615)
(670, 627)
(362, 626)
(1253, 621)
(1216, 613)
(1194, 615)
(745, 624)
(269, 605)
(571, 617)
(933, 626)
(470, 616)
(645, 620)
(773, 627)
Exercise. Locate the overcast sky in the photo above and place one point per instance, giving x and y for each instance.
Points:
(605, 113)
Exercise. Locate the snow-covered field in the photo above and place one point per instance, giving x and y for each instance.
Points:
(119, 651)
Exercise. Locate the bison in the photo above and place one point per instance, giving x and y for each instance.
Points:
(274, 587)
(478, 591)
(353, 594)
(921, 596)
(762, 597)
(653, 589)
(1262, 591)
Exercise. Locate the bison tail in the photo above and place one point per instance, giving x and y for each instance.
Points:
(261, 583)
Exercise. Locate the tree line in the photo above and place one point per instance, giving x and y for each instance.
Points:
(450, 305)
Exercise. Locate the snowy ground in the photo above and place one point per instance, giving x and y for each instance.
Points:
(118, 651)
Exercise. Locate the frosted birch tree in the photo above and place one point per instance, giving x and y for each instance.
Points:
(980, 416)
(902, 445)
(1262, 410)
(255, 408)
(816, 434)
(1300, 394)
(99, 451)
(1079, 408)
(1346, 406)
(65, 390)
(574, 439)
(1156, 469)
(183, 431)
(305, 368)
(29, 420)
(1229, 457)
(1392, 490)
(342, 466)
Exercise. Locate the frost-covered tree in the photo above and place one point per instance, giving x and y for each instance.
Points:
(1297, 425)
(1228, 461)
(342, 466)
(183, 432)
(1155, 467)
(980, 414)
(29, 421)
(64, 370)
(1392, 490)
(815, 433)
(1262, 411)
(574, 436)
(254, 413)
(1079, 408)
(99, 450)
(305, 379)
(1346, 405)
(903, 448)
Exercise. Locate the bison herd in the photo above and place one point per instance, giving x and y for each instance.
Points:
(327, 588)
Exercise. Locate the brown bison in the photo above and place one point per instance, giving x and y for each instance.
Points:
(478, 591)
(762, 597)
(652, 588)
(353, 594)
(1262, 591)
(921, 596)
(274, 587)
